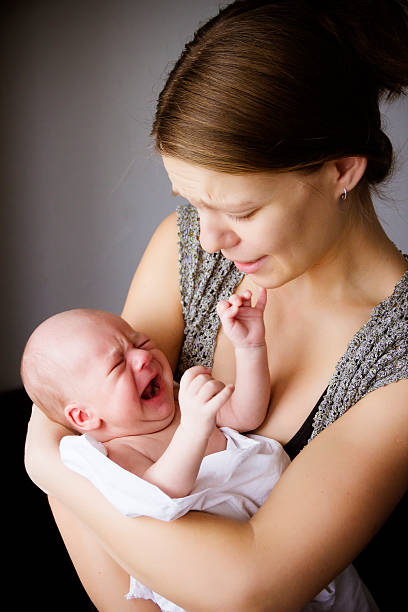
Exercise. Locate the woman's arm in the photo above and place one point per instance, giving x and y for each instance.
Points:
(154, 307)
(107, 592)
(328, 504)
(153, 304)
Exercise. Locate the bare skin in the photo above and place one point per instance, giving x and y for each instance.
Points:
(347, 482)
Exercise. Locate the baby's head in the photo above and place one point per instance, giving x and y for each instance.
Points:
(89, 370)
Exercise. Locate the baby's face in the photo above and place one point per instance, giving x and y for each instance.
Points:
(126, 380)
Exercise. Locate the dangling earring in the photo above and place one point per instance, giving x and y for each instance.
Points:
(344, 195)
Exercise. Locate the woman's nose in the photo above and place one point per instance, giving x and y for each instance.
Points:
(215, 236)
(139, 358)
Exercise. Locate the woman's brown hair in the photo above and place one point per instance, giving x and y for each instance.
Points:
(286, 85)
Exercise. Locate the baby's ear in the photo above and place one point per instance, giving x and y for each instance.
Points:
(81, 417)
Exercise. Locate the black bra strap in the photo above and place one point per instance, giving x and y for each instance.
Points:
(301, 437)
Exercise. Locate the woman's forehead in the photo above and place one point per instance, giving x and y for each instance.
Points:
(210, 188)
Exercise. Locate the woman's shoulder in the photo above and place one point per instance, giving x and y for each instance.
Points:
(376, 356)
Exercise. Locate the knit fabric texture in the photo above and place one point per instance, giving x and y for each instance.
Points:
(376, 356)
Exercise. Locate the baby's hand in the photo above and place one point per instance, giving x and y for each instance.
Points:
(243, 323)
(200, 398)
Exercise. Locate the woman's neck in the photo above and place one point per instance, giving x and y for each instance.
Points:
(362, 266)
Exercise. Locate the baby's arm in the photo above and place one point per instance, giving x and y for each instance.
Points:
(175, 472)
(244, 326)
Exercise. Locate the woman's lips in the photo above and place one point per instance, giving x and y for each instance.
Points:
(250, 267)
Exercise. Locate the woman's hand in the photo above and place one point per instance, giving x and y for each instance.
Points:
(43, 438)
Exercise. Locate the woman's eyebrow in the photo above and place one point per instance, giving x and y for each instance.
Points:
(248, 204)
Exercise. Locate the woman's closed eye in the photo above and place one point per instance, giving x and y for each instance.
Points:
(241, 217)
(234, 217)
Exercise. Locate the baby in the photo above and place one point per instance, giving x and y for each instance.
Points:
(91, 371)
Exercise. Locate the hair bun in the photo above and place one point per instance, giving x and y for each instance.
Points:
(373, 33)
(381, 159)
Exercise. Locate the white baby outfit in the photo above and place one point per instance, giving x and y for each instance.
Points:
(234, 482)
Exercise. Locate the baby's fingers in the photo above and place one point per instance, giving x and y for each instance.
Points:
(227, 311)
(261, 301)
(222, 307)
(192, 374)
(246, 298)
(231, 306)
(208, 389)
(218, 400)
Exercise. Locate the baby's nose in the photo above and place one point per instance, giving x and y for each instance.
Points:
(139, 358)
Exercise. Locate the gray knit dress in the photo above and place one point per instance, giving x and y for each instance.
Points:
(376, 356)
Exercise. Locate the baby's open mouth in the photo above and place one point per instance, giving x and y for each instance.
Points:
(152, 389)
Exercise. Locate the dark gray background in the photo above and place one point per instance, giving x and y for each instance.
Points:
(82, 189)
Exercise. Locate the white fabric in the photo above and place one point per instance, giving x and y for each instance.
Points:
(234, 483)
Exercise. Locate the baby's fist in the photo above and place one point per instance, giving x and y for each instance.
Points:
(242, 322)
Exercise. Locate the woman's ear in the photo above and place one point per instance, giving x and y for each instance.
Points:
(81, 417)
(349, 172)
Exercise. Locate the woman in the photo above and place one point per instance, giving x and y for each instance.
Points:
(269, 126)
